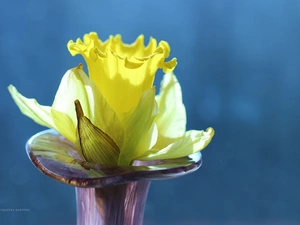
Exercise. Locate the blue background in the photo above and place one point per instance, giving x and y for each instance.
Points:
(239, 67)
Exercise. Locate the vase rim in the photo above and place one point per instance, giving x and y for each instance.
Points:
(46, 147)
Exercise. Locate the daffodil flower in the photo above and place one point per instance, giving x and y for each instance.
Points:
(113, 116)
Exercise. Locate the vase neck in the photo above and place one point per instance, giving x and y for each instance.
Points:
(114, 205)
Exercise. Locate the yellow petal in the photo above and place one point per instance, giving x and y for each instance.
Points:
(122, 72)
(140, 129)
(31, 108)
(95, 145)
(193, 141)
(171, 120)
(76, 85)
(72, 87)
(44, 115)
(64, 125)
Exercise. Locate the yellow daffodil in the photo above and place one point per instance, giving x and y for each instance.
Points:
(113, 116)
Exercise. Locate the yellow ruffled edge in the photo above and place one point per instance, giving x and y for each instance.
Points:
(92, 47)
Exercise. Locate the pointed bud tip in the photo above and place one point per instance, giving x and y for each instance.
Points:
(80, 66)
(78, 108)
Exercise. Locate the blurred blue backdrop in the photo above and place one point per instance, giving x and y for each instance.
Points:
(240, 73)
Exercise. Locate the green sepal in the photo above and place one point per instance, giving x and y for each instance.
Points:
(94, 145)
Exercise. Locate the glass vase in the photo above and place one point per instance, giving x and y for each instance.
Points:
(105, 194)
